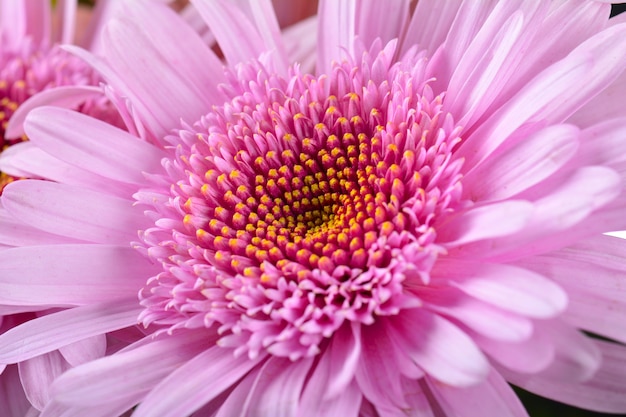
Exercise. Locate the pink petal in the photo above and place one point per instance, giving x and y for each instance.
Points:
(491, 398)
(107, 151)
(375, 19)
(74, 212)
(301, 42)
(85, 350)
(277, 388)
(53, 331)
(16, 233)
(232, 29)
(567, 25)
(195, 383)
(604, 144)
(529, 356)
(592, 273)
(525, 164)
(510, 288)
(485, 222)
(427, 32)
(29, 161)
(556, 92)
(125, 377)
(65, 96)
(70, 274)
(346, 404)
(440, 348)
(492, 58)
(67, 9)
(336, 32)
(576, 358)
(481, 317)
(25, 18)
(37, 375)
(379, 370)
(605, 392)
(469, 19)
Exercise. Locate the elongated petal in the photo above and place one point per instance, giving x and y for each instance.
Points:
(426, 32)
(53, 331)
(107, 151)
(555, 92)
(65, 96)
(440, 348)
(205, 376)
(70, 274)
(491, 398)
(16, 233)
(277, 388)
(13, 401)
(126, 376)
(336, 32)
(74, 212)
(486, 222)
(509, 288)
(25, 18)
(605, 392)
(524, 165)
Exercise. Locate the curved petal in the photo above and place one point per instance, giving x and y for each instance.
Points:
(65, 96)
(195, 383)
(510, 288)
(107, 151)
(53, 331)
(491, 398)
(604, 392)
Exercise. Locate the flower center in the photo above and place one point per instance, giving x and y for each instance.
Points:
(305, 202)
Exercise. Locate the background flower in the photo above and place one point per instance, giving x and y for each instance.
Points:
(399, 231)
(31, 62)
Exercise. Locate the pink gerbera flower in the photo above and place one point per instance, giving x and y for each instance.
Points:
(397, 227)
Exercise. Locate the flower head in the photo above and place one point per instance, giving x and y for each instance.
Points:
(405, 226)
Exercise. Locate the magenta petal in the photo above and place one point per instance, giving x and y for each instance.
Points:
(25, 18)
(427, 32)
(522, 166)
